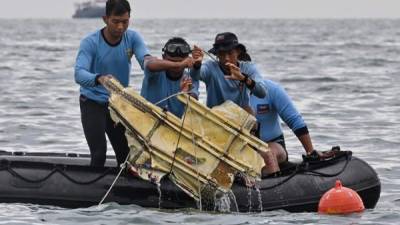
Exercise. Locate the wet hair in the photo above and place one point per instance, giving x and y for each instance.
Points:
(117, 7)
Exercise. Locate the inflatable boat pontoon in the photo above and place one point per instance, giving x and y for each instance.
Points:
(66, 180)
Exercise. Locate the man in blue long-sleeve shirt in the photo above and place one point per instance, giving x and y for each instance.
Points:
(103, 54)
(173, 73)
(230, 78)
(277, 104)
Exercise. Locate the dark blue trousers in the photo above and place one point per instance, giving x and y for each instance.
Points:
(97, 122)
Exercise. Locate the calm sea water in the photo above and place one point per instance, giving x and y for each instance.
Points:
(343, 75)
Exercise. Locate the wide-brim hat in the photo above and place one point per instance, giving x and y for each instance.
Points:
(225, 42)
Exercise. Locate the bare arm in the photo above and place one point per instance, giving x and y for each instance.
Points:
(305, 140)
(154, 64)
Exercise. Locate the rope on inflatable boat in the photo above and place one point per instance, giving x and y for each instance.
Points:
(55, 170)
(315, 173)
(123, 166)
(302, 168)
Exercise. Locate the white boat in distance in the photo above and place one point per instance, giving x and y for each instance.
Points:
(90, 9)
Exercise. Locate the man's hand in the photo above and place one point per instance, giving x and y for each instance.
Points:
(318, 155)
(235, 72)
(104, 78)
(197, 54)
(186, 84)
(314, 154)
(187, 63)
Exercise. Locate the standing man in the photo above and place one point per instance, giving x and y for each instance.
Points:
(104, 54)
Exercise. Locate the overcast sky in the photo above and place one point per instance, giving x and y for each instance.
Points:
(216, 8)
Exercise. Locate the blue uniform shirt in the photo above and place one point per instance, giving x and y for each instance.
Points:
(157, 86)
(220, 89)
(275, 104)
(97, 57)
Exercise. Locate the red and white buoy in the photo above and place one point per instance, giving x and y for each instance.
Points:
(340, 200)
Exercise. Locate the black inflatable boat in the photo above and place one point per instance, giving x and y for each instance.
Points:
(66, 180)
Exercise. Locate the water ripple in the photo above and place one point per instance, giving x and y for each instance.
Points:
(343, 76)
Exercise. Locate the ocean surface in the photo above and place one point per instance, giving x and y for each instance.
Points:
(343, 75)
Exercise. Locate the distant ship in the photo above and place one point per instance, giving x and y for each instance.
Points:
(90, 9)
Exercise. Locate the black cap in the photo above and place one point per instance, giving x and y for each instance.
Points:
(226, 42)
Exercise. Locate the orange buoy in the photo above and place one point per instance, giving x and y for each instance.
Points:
(340, 200)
